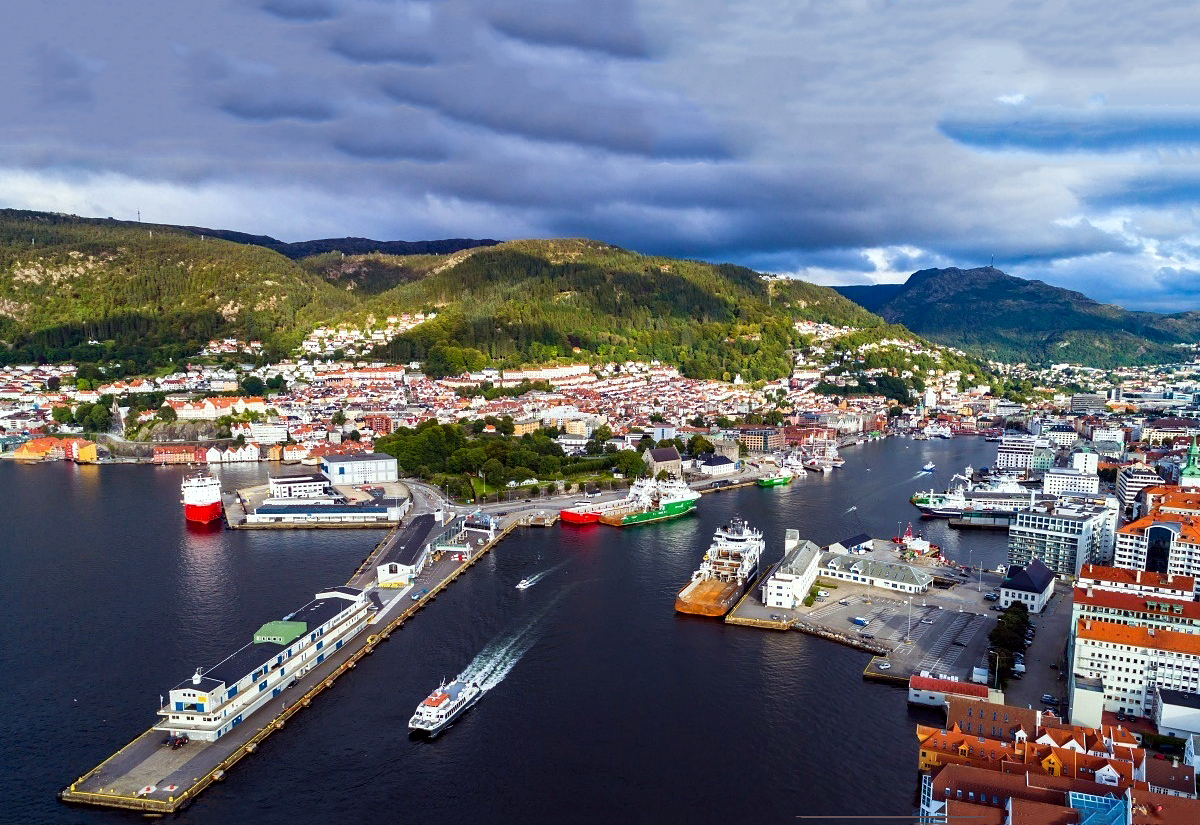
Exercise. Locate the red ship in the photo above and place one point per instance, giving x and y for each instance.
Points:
(201, 498)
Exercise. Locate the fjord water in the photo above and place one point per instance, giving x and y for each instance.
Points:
(608, 708)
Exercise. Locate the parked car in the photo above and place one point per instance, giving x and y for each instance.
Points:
(417, 596)
(1049, 700)
(885, 665)
(926, 621)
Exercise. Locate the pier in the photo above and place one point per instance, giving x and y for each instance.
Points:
(153, 778)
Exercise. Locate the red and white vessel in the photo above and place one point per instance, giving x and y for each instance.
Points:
(201, 498)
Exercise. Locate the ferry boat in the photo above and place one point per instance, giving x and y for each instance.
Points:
(201, 497)
(728, 570)
(443, 706)
(777, 479)
(652, 501)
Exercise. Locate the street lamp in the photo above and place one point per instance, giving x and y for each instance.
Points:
(996, 681)
(908, 635)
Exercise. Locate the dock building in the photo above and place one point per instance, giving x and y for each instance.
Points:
(411, 549)
(889, 575)
(789, 582)
(299, 486)
(359, 468)
(216, 700)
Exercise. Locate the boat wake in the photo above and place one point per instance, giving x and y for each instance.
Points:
(537, 577)
(499, 656)
(851, 510)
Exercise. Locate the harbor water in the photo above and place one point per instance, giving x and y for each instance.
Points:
(602, 705)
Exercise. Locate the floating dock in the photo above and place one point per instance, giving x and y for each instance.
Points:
(153, 778)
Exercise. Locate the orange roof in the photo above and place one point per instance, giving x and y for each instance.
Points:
(1139, 602)
(1151, 808)
(1122, 634)
(918, 682)
(1122, 575)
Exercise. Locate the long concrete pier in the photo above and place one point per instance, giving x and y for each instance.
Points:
(147, 775)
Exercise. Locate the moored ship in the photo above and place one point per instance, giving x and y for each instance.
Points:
(652, 501)
(444, 705)
(776, 479)
(586, 512)
(728, 570)
(201, 497)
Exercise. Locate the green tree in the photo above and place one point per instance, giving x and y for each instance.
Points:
(253, 385)
(63, 415)
(493, 472)
(338, 418)
(167, 413)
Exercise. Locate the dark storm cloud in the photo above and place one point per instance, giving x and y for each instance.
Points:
(610, 27)
(857, 139)
(62, 77)
(518, 101)
(258, 104)
(301, 10)
(379, 40)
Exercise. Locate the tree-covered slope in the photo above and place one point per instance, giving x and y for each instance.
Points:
(533, 301)
(147, 293)
(994, 315)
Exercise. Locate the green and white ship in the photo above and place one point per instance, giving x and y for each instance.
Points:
(777, 479)
(650, 501)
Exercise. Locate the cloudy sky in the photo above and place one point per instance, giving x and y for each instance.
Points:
(845, 142)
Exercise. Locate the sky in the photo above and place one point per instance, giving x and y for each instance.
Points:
(841, 142)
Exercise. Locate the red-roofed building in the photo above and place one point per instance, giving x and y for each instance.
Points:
(929, 690)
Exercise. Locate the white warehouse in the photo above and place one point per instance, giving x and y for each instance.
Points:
(362, 468)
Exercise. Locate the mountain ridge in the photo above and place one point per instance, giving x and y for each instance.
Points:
(992, 314)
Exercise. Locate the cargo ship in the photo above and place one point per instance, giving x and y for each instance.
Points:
(652, 501)
(777, 479)
(999, 497)
(727, 572)
(443, 706)
(586, 512)
(201, 497)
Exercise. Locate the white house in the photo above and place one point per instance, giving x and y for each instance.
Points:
(1033, 585)
(793, 577)
(717, 465)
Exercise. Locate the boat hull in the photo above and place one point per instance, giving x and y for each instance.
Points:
(674, 510)
(774, 481)
(576, 517)
(202, 513)
(710, 598)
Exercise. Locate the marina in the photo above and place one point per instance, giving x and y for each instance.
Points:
(593, 564)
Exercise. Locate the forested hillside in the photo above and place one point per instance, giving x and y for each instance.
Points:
(147, 294)
(533, 301)
(140, 296)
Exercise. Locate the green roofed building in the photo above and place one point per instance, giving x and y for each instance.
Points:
(280, 633)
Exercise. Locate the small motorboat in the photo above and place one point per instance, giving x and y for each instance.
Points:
(928, 468)
(524, 583)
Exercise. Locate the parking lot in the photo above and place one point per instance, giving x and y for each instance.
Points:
(925, 635)
(943, 631)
